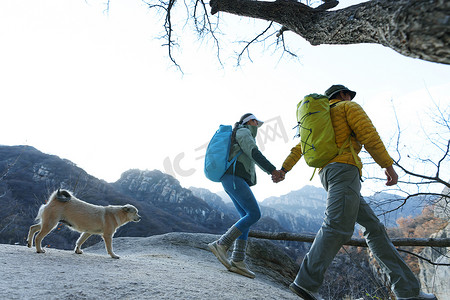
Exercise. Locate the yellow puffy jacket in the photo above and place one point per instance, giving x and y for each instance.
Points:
(348, 117)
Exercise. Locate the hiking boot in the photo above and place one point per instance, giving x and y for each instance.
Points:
(304, 293)
(220, 252)
(241, 268)
(421, 296)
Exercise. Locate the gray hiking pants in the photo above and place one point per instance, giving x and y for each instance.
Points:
(345, 207)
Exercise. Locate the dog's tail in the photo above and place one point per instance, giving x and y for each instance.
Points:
(39, 215)
(63, 196)
(60, 195)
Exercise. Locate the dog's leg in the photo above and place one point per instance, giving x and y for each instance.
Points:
(46, 227)
(31, 233)
(108, 243)
(83, 237)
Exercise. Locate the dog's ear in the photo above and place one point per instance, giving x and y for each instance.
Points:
(63, 195)
(127, 209)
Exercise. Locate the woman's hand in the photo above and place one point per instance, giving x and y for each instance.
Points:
(278, 175)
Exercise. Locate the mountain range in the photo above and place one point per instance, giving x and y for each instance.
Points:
(28, 177)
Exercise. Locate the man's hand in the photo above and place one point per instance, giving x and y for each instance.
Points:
(278, 175)
(392, 177)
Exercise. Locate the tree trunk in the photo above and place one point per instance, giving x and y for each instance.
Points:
(414, 28)
(285, 236)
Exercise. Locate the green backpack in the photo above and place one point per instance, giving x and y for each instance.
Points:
(317, 138)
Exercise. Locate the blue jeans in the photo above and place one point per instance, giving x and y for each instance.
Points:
(244, 201)
(345, 207)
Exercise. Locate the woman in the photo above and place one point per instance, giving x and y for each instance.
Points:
(237, 182)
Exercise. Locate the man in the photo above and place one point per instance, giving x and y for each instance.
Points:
(345, 206)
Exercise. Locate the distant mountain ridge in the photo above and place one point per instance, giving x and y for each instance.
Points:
(166, 193)
(291, 212)
(309, 201)
(28, 176)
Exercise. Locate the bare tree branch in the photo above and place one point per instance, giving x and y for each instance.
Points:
(309, 238)
(433, 179)
(415, 28)
(254, 40)
(411, 196)
(422, 258)
(167, 7)
(437, 162)
(206, 26)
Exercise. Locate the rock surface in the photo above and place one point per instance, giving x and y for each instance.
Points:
(170, 266)
(436, 277)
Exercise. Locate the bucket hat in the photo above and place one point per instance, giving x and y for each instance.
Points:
(338, 88)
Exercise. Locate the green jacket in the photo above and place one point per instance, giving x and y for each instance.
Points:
(245, 164)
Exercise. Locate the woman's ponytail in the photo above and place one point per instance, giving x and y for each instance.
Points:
(236, 126)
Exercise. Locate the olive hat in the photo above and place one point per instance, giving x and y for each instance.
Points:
(338, 88)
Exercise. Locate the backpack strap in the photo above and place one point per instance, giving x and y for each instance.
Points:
(233, 162)
(341, 149)
(234, 159)
(314, 172)
(352, 150)
(234, 167)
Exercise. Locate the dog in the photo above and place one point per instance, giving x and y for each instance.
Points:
(86, 218)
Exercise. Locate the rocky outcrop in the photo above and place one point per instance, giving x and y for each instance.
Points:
(308, 202)
(435, 278)
(165, 192)
(215, 201)
(169, 266)
(263, 257)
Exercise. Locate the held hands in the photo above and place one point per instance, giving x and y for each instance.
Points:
(392, 177)
(278, 175)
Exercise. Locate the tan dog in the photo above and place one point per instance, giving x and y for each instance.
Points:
(81, 216)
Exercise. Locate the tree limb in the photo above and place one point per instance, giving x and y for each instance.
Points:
(414, 28)
(168, 8)
(254, 40)
(309, 238)
(404, 200)
(422, 258)
(434, 179)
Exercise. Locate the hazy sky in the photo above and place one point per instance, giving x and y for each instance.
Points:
(98, 89)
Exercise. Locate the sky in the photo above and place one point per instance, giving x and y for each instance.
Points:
(99, 90)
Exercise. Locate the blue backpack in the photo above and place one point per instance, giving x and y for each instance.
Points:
(217, 152)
